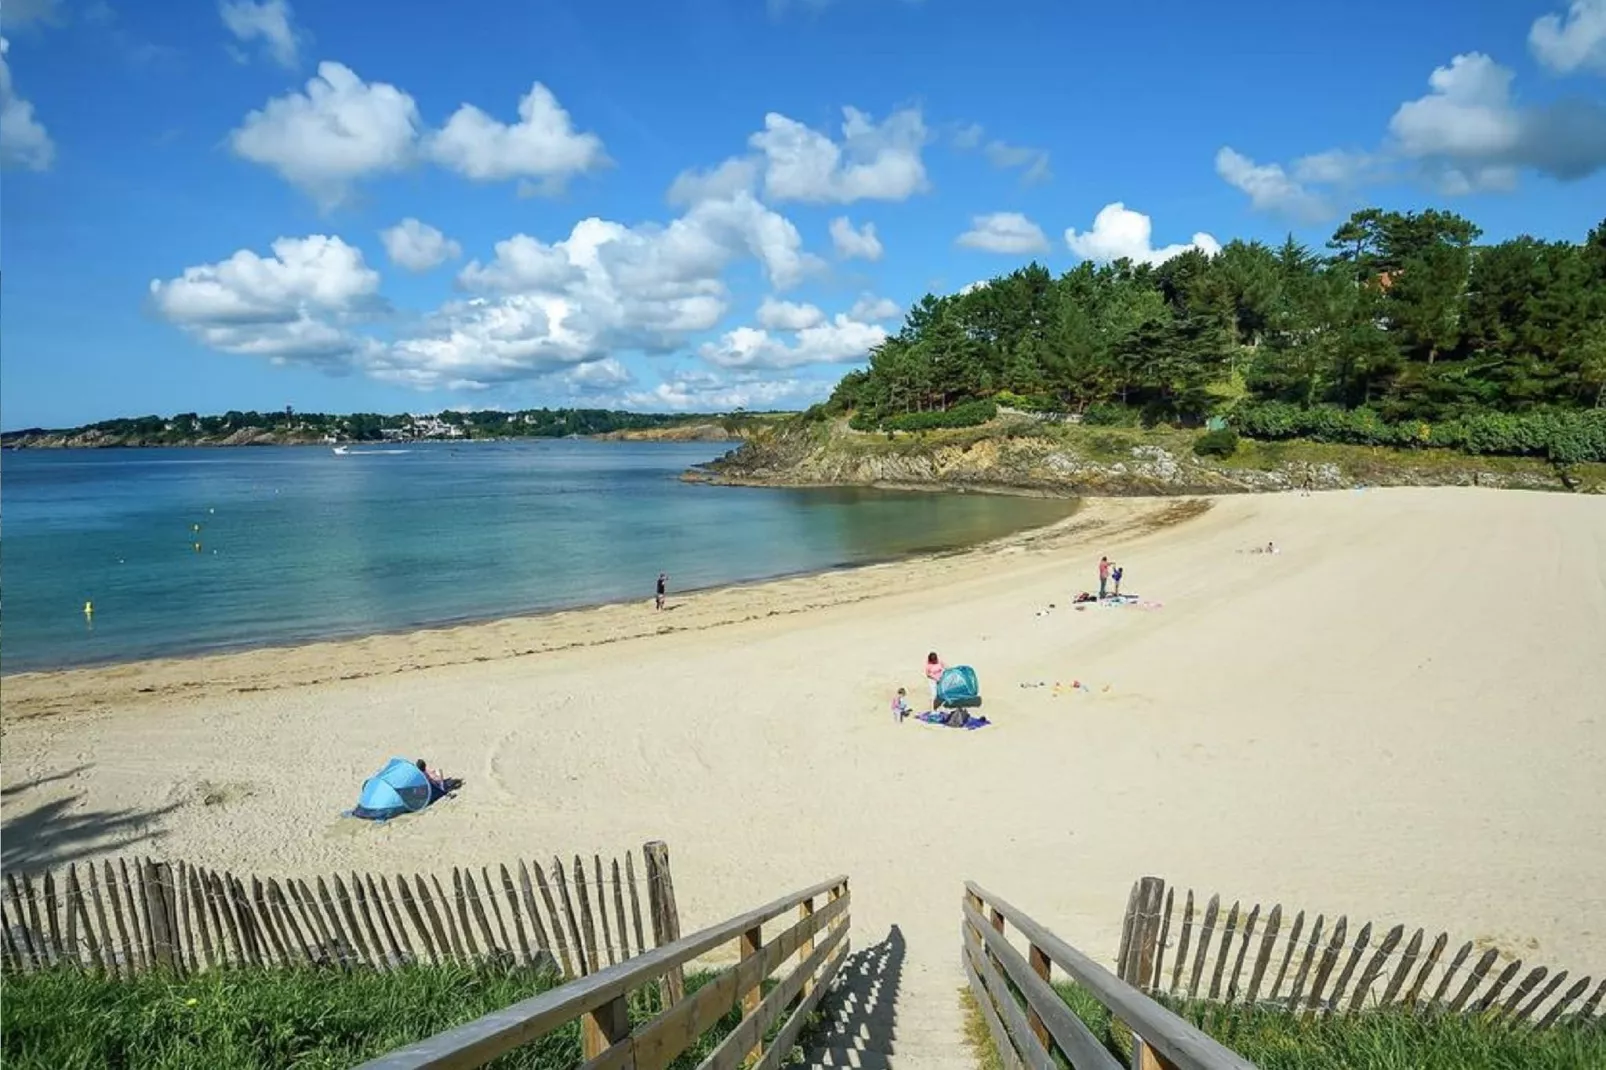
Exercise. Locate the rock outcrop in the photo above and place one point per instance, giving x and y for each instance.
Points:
(1017, 457)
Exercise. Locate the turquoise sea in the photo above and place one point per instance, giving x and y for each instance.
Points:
(184, 551)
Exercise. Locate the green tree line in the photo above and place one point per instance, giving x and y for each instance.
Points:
(1405, 321)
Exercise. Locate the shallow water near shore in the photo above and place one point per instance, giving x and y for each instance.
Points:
(185, 551)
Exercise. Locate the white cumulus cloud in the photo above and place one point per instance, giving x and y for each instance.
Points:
(739, 174)
(294, 305)
(1272, 189)
(542, 307)
(872, 309)
(1576, 41)
(24, 142)
(706, 391)
(270, 22)
(341, 129)
(336, 132)
(1468, 133)
(418, 246)
(787, 315)
(851, 242)
(598, 375)
(840, 340)
(543, 147)
(1120, 233)
(1032, 163)
(874, 161)
(1004, 232)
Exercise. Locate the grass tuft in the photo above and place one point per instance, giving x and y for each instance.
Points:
(1391, 1039)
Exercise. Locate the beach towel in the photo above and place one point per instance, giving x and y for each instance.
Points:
(941, 721)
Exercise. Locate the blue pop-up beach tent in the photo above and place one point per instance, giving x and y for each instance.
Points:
(399, 788)
(957, 687)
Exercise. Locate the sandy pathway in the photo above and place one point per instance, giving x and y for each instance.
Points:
(1400, 716)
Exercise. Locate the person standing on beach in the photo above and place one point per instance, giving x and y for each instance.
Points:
(1115, 575)
(1104, 576)
(934, 671)
(663, 589)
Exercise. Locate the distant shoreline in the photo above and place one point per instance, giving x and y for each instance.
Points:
(256, 443)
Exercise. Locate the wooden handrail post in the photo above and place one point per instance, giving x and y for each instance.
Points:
(665, 914)
(1146, 1058)
(752, 943)
(604, 1027)
(1042, 967)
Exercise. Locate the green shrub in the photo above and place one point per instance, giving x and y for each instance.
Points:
(965, 414)
(1028, 402)
(863, 421)
(1104, 414)
(1564, 436)
(1222, 443)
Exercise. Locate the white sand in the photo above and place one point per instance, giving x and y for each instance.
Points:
(1401, 716)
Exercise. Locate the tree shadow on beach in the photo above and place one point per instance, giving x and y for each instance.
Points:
(29, 785)
(53, 834)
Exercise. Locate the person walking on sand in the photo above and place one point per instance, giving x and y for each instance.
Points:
(1104, 576)
(934, 671)
(663, 589)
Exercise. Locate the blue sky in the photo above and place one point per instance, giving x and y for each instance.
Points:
(697, 204)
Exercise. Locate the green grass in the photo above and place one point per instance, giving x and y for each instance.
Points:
(1380, 1040)
(978, 1038)
(238, 1019)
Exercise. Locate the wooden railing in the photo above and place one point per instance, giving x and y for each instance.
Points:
(1309, 970)
(818, 939)
(1031, 1023)
(145, 915)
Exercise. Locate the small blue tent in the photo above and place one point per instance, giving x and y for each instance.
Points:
(399, 788)
(958, 688)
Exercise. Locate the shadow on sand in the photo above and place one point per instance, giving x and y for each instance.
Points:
(860, 1009)
(52, 833)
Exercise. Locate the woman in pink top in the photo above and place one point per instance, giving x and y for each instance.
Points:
(934, 671)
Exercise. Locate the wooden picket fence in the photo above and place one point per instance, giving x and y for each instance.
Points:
(1319, 963)
(139, 915)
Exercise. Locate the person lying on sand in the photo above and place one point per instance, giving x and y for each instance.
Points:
(439, 784)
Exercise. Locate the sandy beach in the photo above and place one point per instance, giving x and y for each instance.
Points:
(1399, 716)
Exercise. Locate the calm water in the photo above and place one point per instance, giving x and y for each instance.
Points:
(298, 543)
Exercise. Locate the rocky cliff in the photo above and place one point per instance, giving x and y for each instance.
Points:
(700, 432)
(1032, 458)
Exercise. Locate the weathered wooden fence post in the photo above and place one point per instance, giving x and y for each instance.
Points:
(604, 1027)
(751, 944)
(665, 914)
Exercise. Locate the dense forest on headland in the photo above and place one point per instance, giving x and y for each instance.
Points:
(1405, 331)
(289, 427)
